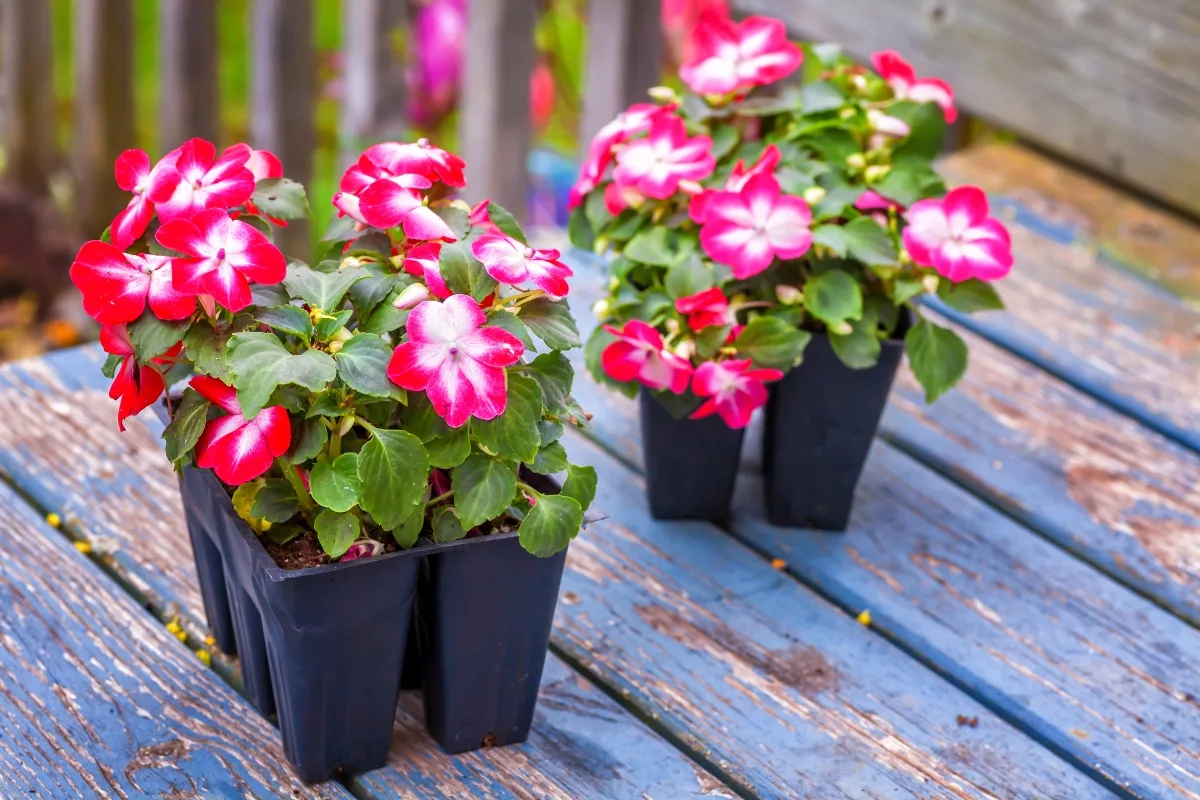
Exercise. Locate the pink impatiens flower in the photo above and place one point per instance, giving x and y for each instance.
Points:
(733, 390)
(149, 185)
(236, 448)
(656, 164)
(903, 79)
(418, 158)
(221, 257)
(207, 181)
(738, 178)
(456, 360)
(511, 262)
(705, 309)
(134, 387)
(956, 236)
(424, 261)
(630, 122)
(386, 204)
(749, 229)
(639, 354)
(733, 57)
(116, 286)
(264, 164)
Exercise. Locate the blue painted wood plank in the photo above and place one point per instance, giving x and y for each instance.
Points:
(117, 492)
(98, 700)
(1095, 672)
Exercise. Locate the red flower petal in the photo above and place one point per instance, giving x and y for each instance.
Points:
(114, 289)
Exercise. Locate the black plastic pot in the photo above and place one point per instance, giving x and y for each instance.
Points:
(486, 609)
(323, 646)
(691, 464)
(821, 419)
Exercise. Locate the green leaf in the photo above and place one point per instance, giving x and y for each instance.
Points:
(407, 532)
(550, 431)
(677, 405)
(259, 363)
(458, 219)
(512, 324)
(970, 295)
(833, 297)
(820, 96)
(659, 245)
(331, 323)
(421, 420)
(334, 483)
(592, 354)
(309, 440)
(579, 230)
(908, 181)
(505, 221)
(446, 527)
(243, 501)
(550, 320)
(724, 139)
(463, 273)
(268, 294)
(362, 365)
(550, 459)
(554, 374)
(367, 294)
(772, 343)
(275, 502)
(151, 336)
(868, 242)
(937, 355)
(688, 277)
(580, 485)
(386, 317)
(336, 531)
(287, 319)
(340, 229)
(336, 402)
(283, 533)
(514, 434)
(860, 348)
(832, 236)
(449, 450)
(281, 198)
(551, 524)
(928, 127)
(483, 489)
(394, 470)
(905, 287)
(323, 290)
(835, 145)
(185, 428)
(596, 210)
(111, 364)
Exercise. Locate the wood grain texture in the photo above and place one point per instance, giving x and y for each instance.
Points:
(64, 452)
(28, 79)
(188, 94)
(1127, 231)
(98, 700)
(373, 105)
(624, 58)
(1100, 674)
(1114, 84)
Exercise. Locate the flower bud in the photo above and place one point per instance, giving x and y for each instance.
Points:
(600, 308)
(346, 425)
(663, 94)
(685, 349)
(349, 262)
(363, 549)
(614, 283)
(842, 328)
(672, 326)
(856, 161)
(601, 245)
(788, 295)
(931, 283)
(814, 195)
(847, 113)
(859, 82)
(342, 334)
(876, 172)
(412, 296)
(690, 187)
(892, 126)
(335, 346)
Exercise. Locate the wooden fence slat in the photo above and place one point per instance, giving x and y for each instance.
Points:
(373, 104)
(494, 122)
(103, 107)
(283, 93)
(188, 104)
(624, 58)
(28, 93)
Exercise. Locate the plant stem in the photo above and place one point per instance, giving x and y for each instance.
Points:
(335, 442)
(527, 489)
(293, 477)
(441, 497)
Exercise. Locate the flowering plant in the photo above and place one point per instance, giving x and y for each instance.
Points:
(746, 216)
(388, 392)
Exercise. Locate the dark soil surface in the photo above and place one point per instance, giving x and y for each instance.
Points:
(300, 553)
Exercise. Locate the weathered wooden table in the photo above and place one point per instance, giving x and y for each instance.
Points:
(1028, 550)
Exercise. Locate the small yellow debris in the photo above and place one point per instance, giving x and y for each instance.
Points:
(83, 547)
(181, 636)
(778, 563)
(53, 520)
(210, 640)
(864, 617)
(204, 656)
(174, 627)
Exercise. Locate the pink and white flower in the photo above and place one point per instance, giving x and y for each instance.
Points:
(207, 181)
(149, 185)
(134, 387)
(903, 79)
(655, 165)
(456, 360)
(738, 178)
(733, 57)
(117, 286)
(235, 448)
(749, 229)
(511, 262)
(386, 204)
(957, 237)
(348, 206)
(221, 257)
(705, 309)
(264, 164)
(418, 158)
(733, 389)
(630, 122)
(639, 354)
(425, 262)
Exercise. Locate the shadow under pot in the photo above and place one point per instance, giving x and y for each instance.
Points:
(691, 464)
(820, 421)
(322, 646)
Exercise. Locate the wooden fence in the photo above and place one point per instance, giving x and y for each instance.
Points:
(624, 59)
